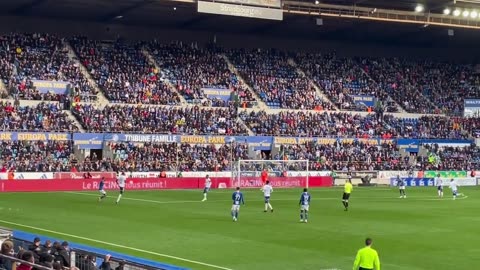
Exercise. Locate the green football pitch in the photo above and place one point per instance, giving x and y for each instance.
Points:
(419, 232)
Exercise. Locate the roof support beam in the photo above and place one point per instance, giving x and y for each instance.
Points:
(121, 12)
(22, 9)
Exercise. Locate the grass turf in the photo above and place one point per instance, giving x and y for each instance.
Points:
(420, 232)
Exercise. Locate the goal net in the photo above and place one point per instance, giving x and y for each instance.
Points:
(281, 173)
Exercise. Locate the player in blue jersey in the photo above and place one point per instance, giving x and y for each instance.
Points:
(206, 189)
(304, 205)
(101, 189)
(237, 198)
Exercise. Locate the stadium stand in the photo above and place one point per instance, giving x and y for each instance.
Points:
(192, 68)
(341, 79)
(401, 80)
(27, 57)
(357, 156)
(451, 158)
(123, 72)
(43, 117)
(36, 156)
(351, 125)
(166, 120)
(276, 81)
(171, 157)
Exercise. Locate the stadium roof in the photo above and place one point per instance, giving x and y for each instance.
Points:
(161, 14)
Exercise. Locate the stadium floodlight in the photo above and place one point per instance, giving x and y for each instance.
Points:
(317, 2)
(473, 14)
(457, 12)
(419, 8)
(447, 11)
(465, 13)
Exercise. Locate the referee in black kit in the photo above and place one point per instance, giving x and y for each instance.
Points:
(367, 258)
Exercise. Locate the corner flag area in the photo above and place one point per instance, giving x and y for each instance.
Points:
(175, 227)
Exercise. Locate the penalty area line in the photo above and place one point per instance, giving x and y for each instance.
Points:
(115, 245)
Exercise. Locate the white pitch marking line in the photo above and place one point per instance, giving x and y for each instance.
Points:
(414, 198)
(115, 245)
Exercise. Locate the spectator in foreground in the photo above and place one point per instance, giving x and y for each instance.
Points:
(7, 249)
(106, 263)
(27, 256)
(36, 249)
(61, 254)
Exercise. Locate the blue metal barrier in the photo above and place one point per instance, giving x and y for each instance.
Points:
(148, 264)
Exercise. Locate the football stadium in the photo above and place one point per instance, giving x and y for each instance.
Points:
(239, 134)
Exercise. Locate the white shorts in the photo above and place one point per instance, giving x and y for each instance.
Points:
(304, 207)
(236, 207)
(102, 191)
(402, 187)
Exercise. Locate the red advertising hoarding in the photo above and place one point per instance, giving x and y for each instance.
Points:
(80, 175)
(134, 184)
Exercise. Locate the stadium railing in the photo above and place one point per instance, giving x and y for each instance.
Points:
(79, 251)
(19, 261)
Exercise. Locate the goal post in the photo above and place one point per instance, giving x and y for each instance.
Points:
(281, 173)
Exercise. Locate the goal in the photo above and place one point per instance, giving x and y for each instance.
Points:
(281, 173)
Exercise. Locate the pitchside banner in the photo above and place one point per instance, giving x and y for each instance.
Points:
(220, 93)
(139, 184)
(414, 182)
(325, 141)
(81, 175)
(88, 140)
(367, 101)
(34, 136)
(446, 174)
(56, 87)
(240, 10)
(421, 182)
(262, 3)
(471, 108)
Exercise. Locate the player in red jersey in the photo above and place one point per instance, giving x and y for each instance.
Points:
(264, 176)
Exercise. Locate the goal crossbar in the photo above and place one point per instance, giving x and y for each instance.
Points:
(248, 173)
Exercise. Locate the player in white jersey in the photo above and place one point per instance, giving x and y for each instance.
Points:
(454, 188)
(439, 183)
(206, 189)
(121, 179)
(267, 190)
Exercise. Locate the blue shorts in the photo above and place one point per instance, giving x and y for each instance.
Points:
(206, 190)
(267, 199)
(454, 193)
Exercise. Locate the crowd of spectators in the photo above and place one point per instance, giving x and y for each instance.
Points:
(451, 158)
(276, 81)
(36, 156)
(52, 255)
(123, 72)
(445, 84)
(43, 117)
(341, 79)
(340, 156)
(167, 120)
(192, 68)
(402, 80)
(350, 125)
(168, 157)
(28, 57)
